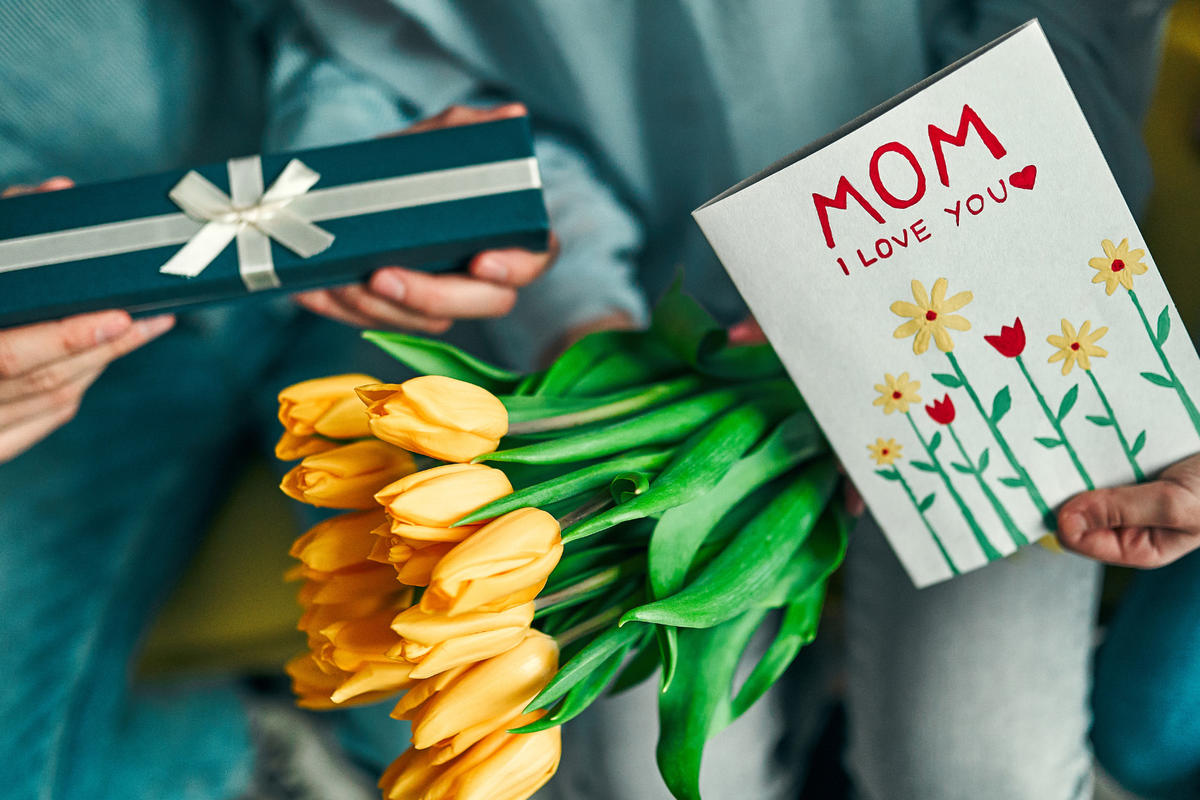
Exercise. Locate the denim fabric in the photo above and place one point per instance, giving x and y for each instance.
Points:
(1147, 696)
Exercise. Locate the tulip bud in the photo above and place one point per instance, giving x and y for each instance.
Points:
(291, 447)
(505, 563)
(325, 406)
(434, 643)
(457, 708)
(339, 542)
(316, 684)
(445, 418)
(348, 476)
(441, 496)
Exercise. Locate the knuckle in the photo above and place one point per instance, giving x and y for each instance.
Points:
(1177, 507)
(10, 362)
(47, 379)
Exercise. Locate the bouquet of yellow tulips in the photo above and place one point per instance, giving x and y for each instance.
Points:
(516, 545)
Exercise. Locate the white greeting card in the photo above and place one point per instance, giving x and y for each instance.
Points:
(958, 289)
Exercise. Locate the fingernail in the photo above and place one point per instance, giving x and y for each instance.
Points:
(1072, 525)
(390, 285)
(152, 327)
(491, 268)
(111, 327)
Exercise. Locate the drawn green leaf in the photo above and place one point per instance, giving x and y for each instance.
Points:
(1158, 380)
(1012, 483)
(1000, 405)
(935, 442)
(1103, 422)
(888, 474)
(923, 466)
(946, 379)
(983, 460)
(924, 505)
(1164, 327)
(1068, 402)
(1138, 443)
(1046, 441)
(963, 468)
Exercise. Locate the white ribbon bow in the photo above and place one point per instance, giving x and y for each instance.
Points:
(249, 215)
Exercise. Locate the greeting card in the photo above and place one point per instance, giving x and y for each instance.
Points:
(958, 289)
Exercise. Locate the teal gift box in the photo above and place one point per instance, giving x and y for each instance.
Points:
(279, 222)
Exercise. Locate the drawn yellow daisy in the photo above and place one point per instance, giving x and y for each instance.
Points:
(885, 452)
(1077, 347)
(1118, 266)
(896, 393)
(930, 316)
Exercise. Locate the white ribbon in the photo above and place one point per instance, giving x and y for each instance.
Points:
(255, 225)
(249, 215)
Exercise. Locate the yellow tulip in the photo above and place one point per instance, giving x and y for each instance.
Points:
(502, 766)
(315, 685)
(340, 542)
(441, 496)
(445, 418)
(413, 561)
(434, 643)
(291, 447)
(348, 476)
(463, 705)
(505, 563)
(326, 406)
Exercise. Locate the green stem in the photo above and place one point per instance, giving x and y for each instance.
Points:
(588, 626)
(1014, 532)
(564, 597)
(1062, 436)
(936, 539)
(988, 550)
(1137, 471)
(1188, 405)
(1034, 494)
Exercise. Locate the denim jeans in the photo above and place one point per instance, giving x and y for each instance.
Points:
(96, 524)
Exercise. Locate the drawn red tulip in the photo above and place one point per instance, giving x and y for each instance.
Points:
(942, 411)
(1011, 341)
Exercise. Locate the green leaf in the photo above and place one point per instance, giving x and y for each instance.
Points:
(1013, 483)
(925, 504)
(1046, 441)
(584, 693)
(698, 702)
(540, 413)
(935, 442)
(670, 423)
(888, 474)
(698, 466)
(681, 530)
(797, 629)
(1164, 326)
(756, 557)
(983, 461)
(1158, 380)
(572, 484)
(1000, 405)
(433, 357)
(638, 669)
(668, 652)
(607, 361)
(1068, 402)
(1138, 444)
(923, 466)
(628, 485)
(585, 662)
(815, 561)
(1103, 422)
(946, 379)
(963, 468)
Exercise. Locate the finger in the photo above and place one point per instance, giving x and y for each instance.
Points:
(443, 296)
(1143, 526)
(1138, 547)
(385, 313)
(467, 115)
(68, 395)
(18, 188)
(329, 304)
(17, 440)
(50, 185)
(26, 348)
(513, 267)
(747, 332)
(52, 376)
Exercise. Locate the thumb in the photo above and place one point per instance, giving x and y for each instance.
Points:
(1116, 525)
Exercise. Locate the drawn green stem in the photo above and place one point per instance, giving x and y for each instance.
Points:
(1013, 531)
(988, 550)
(1054, 421)
(1188, 405)
(1047, 516)
(1137, 471)
(936, 539)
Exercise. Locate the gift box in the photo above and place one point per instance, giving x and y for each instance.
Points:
(279, 222)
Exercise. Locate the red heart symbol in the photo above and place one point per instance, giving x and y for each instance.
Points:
(1025, 178)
